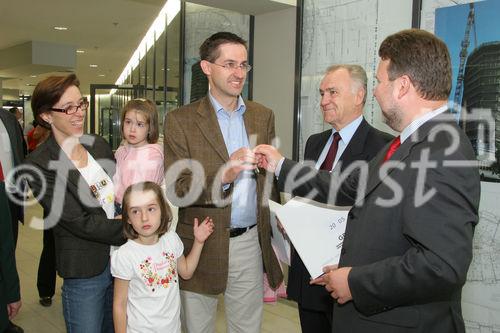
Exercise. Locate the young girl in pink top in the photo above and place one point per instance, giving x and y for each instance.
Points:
(140, 158)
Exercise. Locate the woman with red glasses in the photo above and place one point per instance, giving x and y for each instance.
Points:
(71, 176)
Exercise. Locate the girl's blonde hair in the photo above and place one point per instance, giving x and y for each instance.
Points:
(148, 109)
(166, 212)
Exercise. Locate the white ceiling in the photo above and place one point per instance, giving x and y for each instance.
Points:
(107, 30)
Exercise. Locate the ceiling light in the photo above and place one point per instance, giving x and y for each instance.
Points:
(80, 51)
(93, 65)
(167, 13)
(61, 28)
(32, 75)
(102, 75)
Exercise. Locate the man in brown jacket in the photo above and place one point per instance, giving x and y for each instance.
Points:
(211, 171)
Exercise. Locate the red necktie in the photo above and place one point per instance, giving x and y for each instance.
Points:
(332, 152)
(1, 173)
(392, 148)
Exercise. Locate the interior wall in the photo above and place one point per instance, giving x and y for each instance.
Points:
(274, 70)
(1, 92)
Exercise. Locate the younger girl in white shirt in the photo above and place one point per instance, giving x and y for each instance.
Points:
(146, 294)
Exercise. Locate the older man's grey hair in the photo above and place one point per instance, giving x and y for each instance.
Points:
(358, 76)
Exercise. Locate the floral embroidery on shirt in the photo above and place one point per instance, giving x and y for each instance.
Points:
(152, 272)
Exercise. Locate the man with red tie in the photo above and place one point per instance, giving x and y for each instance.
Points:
(351, 138)
(408, 240)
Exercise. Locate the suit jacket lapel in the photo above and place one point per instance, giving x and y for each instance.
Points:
(402, 153)
(57, 155)
(74, 176)
(356, 145)
(317, 148)
(209, 126)
(252, 126)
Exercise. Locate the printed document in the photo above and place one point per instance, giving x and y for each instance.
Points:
(316, 230)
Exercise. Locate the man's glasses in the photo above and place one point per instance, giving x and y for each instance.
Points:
(84, 105)
(232, 66)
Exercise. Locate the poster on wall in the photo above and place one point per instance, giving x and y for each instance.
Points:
(472, 33)
(481, 293)
(344, 32)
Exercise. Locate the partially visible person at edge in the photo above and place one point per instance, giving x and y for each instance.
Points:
(46, 276)
(10, 296)
(20, 122)
(217, 131)
(11, 156)
(36, 136)
(77, 194)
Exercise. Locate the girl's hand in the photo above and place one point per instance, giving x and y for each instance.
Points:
(203, 230)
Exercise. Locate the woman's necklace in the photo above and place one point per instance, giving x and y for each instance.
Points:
(79, 156)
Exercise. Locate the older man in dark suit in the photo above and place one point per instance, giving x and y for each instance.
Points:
(408, 241)
(351, 139)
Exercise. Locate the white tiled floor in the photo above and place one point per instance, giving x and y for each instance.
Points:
(281, 317)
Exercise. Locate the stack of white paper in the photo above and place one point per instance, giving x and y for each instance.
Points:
(316, 231)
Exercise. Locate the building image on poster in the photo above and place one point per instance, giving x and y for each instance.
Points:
(472, 33)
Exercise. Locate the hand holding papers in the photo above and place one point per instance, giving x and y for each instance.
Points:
(316, 231)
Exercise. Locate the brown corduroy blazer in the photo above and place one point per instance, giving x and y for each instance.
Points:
(192, 132)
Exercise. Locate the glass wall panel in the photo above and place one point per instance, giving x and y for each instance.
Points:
(160, 77)
(344, 31)
(142, 75)
(172, 69)
(108, 115)
(149, 83)
(135, 76)
(147, 79)
(201, 22)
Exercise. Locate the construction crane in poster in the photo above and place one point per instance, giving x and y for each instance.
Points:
(471, 23)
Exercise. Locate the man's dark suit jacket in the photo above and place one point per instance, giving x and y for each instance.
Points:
(409, 260)
(16, 140)
(82, 232)
(364, 145)
(9, 280)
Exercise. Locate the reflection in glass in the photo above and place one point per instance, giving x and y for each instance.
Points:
(201, 23)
